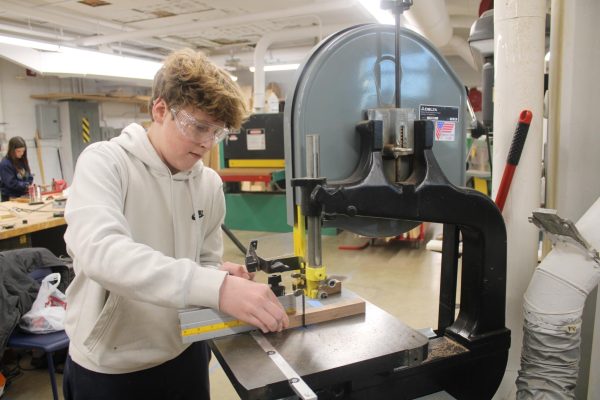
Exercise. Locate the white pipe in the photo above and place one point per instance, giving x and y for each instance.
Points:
(246, 58)
(76, 22)
(52, 15)
(259, 58)
(463, 50)
(432, 18)
(227, 21)
(554, 96)
(38, 32)
(553, 308)
(519, 30)
(462, 21)
(130, 50)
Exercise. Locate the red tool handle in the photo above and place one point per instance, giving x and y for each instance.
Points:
(514, 154)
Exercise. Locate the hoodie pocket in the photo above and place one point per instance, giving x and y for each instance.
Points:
(102, 322)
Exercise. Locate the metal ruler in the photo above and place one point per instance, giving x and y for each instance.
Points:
(300, 387)
(205, 323)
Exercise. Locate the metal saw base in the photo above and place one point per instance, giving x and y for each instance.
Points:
(323, 354)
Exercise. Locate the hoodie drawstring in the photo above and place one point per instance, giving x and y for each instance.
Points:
(174, 223)
(196, 221)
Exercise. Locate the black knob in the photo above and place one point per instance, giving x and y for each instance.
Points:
(275, 284)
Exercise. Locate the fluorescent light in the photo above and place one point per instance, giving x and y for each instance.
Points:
(382, 16)
(278, 67)
(69, 61)
(28, 43)
(94, 63)
(233, 77)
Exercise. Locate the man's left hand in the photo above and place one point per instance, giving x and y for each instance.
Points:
(238, 270)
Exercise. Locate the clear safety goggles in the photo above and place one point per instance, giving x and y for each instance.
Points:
(197, 131)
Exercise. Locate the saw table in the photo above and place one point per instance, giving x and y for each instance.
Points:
(326, 355)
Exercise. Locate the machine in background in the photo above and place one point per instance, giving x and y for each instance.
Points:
(258, 144)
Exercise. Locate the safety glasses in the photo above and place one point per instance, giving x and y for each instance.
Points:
(197, 131)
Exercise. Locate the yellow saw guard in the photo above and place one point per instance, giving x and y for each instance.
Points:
(314, 276)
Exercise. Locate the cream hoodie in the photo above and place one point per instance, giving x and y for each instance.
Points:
(144, 244)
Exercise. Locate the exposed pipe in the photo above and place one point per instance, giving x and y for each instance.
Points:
(49, 15)
(226, 21)
(554, 96)
(462, 21)
(553, 311)
(81, 23)
(431, 17)
(137, 52)
(261, 48)
(291, 54)
(519, 50)
(463, 50)
(38, 32)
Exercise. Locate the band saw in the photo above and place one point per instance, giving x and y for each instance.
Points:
(375, 144)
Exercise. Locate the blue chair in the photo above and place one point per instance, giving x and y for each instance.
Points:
(49, 343)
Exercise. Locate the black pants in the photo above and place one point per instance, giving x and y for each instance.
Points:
(183, 378)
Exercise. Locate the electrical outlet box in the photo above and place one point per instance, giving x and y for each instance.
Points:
(47, 121)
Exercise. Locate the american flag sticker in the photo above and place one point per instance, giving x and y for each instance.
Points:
(445, 131)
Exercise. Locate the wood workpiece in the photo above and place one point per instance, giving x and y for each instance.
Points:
(346, 307)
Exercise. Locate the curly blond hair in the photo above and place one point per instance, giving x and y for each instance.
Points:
(189, 78)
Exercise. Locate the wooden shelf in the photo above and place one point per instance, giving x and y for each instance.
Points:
(142, 100)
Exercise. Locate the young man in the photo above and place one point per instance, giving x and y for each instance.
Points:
(144, 230)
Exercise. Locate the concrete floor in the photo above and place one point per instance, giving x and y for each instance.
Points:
(395, 276)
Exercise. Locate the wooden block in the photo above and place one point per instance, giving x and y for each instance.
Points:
(330, 312)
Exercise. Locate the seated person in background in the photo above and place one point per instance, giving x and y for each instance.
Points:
(15, 175)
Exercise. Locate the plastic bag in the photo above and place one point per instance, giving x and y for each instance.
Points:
(47, 313)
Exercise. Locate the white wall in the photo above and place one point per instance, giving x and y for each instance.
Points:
(577, 141)
(18, 108)
(17, 114)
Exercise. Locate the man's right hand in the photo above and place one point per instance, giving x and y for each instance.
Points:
(253, 303)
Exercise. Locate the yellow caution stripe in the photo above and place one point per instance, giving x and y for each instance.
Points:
(85, 130)
(480, 185)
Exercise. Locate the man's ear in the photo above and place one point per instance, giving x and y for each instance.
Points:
(159, 110)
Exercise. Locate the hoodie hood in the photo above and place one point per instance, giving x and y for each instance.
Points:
(134, 140)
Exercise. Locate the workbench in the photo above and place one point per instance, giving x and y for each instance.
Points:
(25, 225)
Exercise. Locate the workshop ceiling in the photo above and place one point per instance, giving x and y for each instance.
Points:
(151, 28)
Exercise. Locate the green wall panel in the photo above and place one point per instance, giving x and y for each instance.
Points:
(263, 212)
(256, 212)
